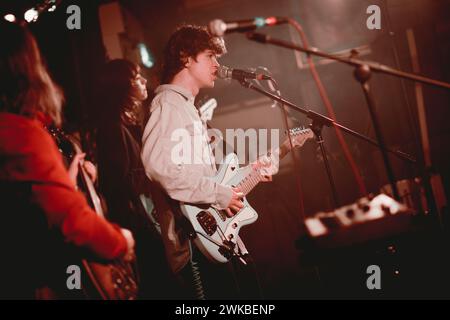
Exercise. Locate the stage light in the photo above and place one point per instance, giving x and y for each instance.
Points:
(31, 15)
(146, 57)
(10, 17)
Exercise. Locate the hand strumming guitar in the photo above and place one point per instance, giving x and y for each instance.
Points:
(87, 165)
(235, 203)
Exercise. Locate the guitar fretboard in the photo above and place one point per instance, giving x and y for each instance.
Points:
(250, 181)
(254, 177)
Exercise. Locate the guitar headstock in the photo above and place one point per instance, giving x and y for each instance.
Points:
(207, 109)
(298, 137)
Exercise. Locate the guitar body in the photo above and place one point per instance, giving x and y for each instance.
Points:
(114, 280)
(214, 229)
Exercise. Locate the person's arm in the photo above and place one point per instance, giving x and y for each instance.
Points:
(90, 168)
(182, 180)
(65, 208)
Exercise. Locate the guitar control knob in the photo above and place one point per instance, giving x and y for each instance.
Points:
(350, 213)
(386, 209)
(234, 225)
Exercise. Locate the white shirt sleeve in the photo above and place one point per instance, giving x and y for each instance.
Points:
(183, 180)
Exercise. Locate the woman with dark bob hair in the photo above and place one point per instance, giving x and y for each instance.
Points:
(120, 114)
(42, 211)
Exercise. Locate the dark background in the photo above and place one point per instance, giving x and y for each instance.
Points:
(74, 57)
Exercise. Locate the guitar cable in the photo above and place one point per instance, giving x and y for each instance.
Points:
(225, 247)
(196, 279)
(218, 244)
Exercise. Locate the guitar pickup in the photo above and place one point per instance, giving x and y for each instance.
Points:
(221, 214)
(207, 222)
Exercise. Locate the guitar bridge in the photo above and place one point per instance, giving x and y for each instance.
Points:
(207, 221)
(227, 249)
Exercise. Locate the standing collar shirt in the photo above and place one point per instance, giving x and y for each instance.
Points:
(176, 151)
(178, 160)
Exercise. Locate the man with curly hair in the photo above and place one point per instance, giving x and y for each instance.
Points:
(190, 64)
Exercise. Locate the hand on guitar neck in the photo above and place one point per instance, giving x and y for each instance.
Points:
(267, 165)
(78, 159)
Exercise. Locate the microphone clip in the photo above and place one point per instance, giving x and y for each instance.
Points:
(241, 75)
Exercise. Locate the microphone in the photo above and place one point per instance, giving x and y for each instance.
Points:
(228, 73)
(219, 27)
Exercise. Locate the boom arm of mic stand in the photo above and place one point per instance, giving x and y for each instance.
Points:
(374, 66)
(362, 73)
(325, 120)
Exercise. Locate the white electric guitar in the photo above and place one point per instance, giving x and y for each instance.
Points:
(217, 235)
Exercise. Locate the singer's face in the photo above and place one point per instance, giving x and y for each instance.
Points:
(138, 87)
(203, 69)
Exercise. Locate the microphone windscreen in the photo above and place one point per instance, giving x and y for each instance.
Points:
(223, 72)
(217, 27)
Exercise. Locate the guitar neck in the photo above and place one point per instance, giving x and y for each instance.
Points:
(90, 189)
(254, 177)
(284, 149)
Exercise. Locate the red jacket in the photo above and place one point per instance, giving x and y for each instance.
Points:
(29, 154)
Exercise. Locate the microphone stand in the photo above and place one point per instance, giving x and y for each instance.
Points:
(318, 121)
(362, 74)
